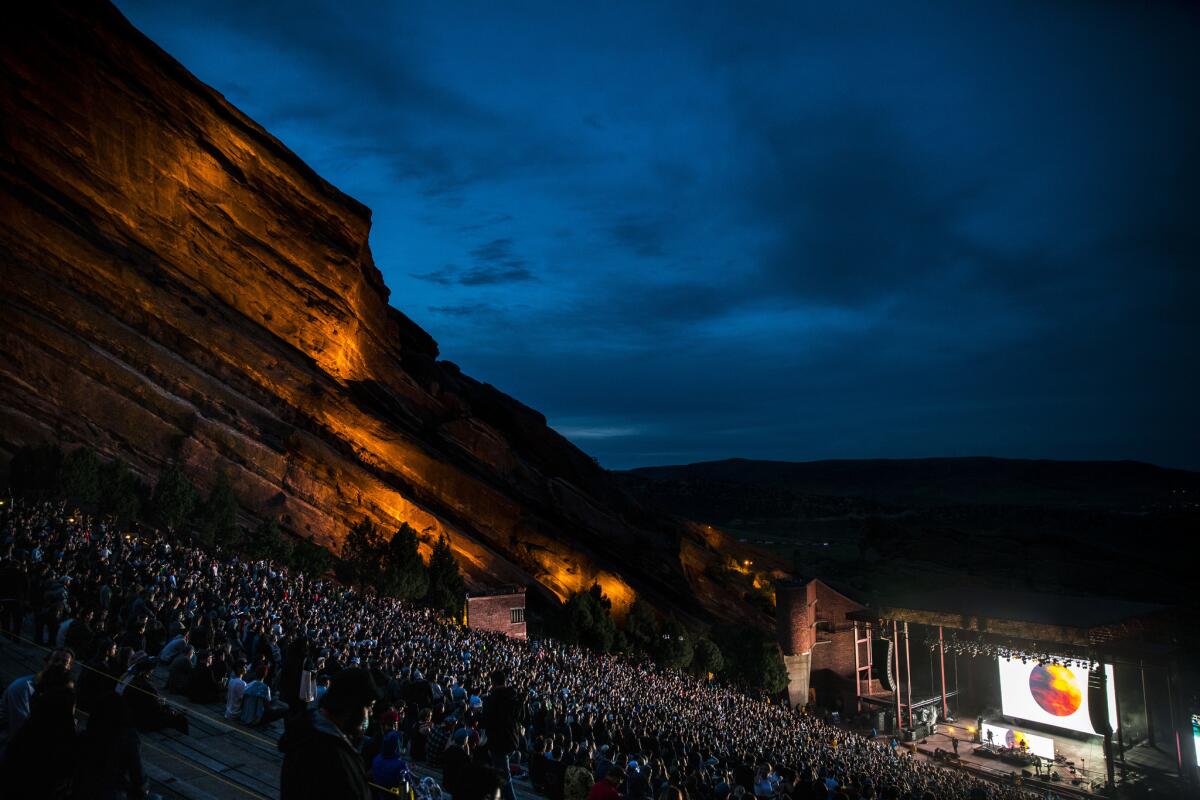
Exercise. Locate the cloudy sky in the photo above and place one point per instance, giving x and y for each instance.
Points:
(689, 231)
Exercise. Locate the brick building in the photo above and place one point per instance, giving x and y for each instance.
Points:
(501, 610)
(818, 643)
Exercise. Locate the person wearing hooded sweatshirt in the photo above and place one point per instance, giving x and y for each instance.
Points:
(321, 748)
(388, 769)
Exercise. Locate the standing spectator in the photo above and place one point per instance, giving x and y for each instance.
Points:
(37, 759)
(321, 758)
(503, 713)
(110, 754)
(15, 703)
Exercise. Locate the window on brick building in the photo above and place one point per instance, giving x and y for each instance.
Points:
(516, 615)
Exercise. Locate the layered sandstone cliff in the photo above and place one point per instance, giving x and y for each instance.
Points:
(178, 285)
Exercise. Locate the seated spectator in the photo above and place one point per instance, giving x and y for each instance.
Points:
(257, 706)
(179, 674)
(147, 708)
(235, 690)
(203, 685)
(608, 787)
(175, 647)
(577, 782)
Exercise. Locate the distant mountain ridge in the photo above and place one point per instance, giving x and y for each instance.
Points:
(1105, 528)
(999, 481)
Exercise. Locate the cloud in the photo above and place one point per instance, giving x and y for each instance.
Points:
(468, 310)
(496, 264)
(811, 235)
(640, 235)
(597, 432)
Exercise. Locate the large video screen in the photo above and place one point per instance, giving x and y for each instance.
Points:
(1051, 695)
(1011, 737)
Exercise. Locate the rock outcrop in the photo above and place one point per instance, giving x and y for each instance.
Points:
(177, 284)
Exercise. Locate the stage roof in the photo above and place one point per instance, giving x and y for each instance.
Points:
(1040, 617)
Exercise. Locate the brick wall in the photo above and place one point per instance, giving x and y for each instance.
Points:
(493, 612)
(833, 658)
(811, 617)
(794, 618)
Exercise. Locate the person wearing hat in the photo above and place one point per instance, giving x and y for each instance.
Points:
(455, 761)
(321, 748)
(148, 709)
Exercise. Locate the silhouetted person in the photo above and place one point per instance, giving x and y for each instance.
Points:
(320, 748)
(110, 753)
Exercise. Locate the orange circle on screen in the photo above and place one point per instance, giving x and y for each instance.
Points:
(1055, 689)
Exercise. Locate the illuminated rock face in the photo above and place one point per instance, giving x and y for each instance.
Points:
(179, 285)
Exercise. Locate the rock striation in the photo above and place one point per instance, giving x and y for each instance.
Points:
(178, 285)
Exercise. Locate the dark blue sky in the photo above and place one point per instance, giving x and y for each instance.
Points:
(693, 231)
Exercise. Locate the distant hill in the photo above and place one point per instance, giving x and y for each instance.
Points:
(1098, 527)
(1001, 481)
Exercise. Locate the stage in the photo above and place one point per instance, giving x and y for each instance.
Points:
(1045, 675)
(1079, 765)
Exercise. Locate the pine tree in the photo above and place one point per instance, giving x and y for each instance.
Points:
(751, 657)
(265, 540)
(674, 645)
(586, 620)
(362, 553)
(641, 627)
(219, 518)
(81, 475)
(446, 586)
(174, 499)
(311, 558)
(120, 491)
(404, 573)
(707, 658)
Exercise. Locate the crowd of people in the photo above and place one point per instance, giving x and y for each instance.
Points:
(368, 686)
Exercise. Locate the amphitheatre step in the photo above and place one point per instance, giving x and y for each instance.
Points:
(216, 760)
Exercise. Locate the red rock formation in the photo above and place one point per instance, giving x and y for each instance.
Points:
(178, 284)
